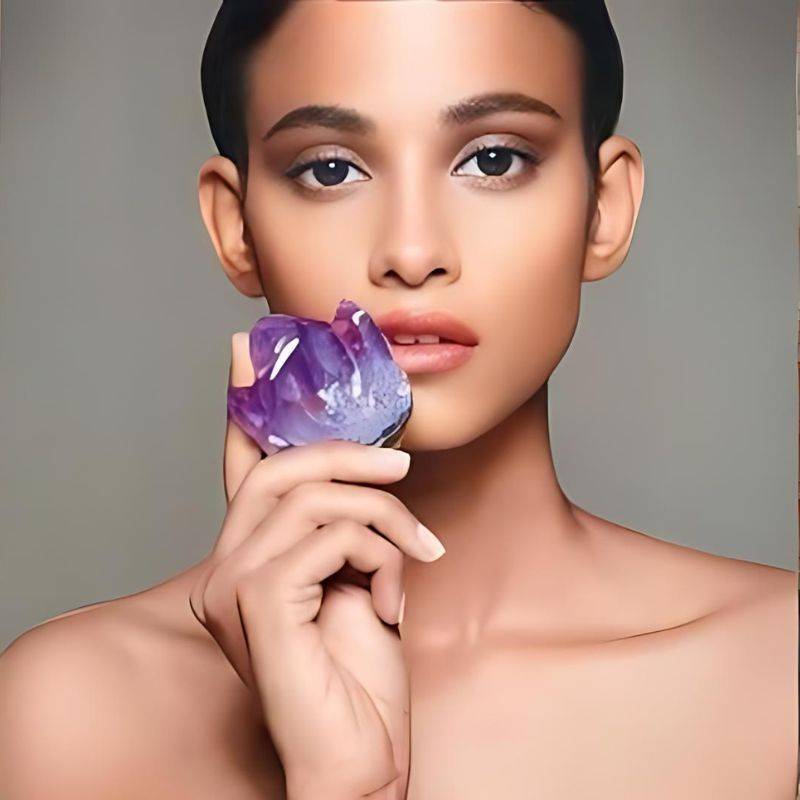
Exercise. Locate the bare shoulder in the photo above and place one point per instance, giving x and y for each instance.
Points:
(716, 636)
(114, 700)
(64, 687)
(676, 582)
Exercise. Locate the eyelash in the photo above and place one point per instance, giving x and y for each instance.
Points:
(531, 159)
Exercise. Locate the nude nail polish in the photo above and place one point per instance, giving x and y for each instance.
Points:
(431, 543)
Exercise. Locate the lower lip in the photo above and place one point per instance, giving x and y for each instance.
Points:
(421, 358)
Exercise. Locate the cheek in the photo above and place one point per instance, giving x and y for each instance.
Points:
(522, 274)
(309, 252)
(532, 291)
(520, 255)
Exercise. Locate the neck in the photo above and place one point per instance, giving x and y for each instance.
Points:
(498, 508)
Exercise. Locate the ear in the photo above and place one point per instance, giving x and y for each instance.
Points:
(221, 204)
(619, 197)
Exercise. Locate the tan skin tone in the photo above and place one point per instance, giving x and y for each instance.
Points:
(548, 653)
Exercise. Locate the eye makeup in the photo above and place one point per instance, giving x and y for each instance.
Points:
(324, 156)
(501, 149)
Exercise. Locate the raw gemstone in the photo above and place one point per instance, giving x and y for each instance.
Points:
(316, 380)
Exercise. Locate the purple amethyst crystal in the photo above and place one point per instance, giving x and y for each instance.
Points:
(316, 380)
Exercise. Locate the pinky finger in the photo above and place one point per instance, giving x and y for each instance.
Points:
(327, 549)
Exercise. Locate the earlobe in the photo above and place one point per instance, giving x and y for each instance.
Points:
(619, 197)
(219, 193)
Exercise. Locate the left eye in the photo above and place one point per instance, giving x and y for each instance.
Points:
(495, 161)
(326, 171)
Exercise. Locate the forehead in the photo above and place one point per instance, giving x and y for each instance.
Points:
(392, 58)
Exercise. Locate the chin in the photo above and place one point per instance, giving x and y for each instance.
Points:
(446, 420)
(443, 427)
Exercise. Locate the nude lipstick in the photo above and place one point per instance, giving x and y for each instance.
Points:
(427, 341)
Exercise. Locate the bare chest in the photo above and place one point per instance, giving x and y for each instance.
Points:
(695, 713)
(707, 710)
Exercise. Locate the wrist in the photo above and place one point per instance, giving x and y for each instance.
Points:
(306, 787)
(301, 786)
(392, 791)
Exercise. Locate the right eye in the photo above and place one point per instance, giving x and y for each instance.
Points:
(328, 172)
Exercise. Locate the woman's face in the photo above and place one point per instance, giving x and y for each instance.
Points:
(407, 215)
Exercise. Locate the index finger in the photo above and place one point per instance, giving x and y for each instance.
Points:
(241, 452)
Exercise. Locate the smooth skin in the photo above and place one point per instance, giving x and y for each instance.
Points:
(548, 653)
(329, 674)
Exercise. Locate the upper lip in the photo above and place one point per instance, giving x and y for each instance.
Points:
(416, 321)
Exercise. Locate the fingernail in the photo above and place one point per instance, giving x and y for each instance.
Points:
(402, 608)
(431, 543)
(393, 459)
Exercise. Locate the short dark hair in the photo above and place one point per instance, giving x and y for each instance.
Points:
(241, 24)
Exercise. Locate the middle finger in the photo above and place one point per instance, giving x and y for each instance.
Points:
(284, 471)
(310, 505)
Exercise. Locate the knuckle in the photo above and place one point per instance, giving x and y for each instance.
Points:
(259, 481)
(346, 529)
(336, 453)
(300, 495)
(389, 503)
(325, 450)
(338, 445)
(257, 588)
(346, 533)
(259, 477)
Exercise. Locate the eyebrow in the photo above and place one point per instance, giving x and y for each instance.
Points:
(464, 111)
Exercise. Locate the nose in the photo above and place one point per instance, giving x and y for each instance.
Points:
(414, 246)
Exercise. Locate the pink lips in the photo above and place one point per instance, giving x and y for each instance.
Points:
(456, 347)
(414, 359)
(439, 323)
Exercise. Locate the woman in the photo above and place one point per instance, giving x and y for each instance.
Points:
(457, 157)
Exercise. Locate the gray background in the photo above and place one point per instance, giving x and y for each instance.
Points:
(674, 411)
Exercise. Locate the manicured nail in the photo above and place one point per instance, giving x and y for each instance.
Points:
(402, 608)
(394, 459)
(431, 543)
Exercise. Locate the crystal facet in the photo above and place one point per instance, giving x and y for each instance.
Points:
(316, 380)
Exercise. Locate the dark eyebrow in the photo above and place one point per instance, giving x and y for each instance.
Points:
(481, 105)
(342, 119)
(466, 110)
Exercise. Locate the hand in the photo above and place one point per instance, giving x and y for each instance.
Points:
(285, 598)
